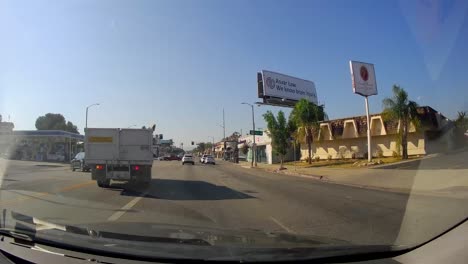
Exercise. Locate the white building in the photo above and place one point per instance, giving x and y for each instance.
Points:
(265, 152)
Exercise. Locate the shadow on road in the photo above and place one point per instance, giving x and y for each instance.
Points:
(184, 190)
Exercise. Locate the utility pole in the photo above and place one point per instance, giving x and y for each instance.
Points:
(254, 149)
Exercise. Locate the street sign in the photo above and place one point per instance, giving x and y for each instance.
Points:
(256, 132)
(363, 78)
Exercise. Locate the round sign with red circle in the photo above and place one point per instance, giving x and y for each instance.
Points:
(364, 73)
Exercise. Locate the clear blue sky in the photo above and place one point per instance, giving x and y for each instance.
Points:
(179, 63)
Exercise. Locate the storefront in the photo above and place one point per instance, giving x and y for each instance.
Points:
(264, 153)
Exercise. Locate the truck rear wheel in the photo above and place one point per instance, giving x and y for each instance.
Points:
(103, 183)
(145, 179)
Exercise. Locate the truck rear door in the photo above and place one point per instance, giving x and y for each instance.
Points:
(135, 145)
(102, 144)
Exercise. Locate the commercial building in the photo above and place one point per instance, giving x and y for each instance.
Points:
(40, 145)
(347, 137)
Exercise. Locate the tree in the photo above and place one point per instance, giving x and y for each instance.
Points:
(462, 120)
(461, 126)
(209, 147)
(200, 147)
(234, 137)
(245, 149)
(304, 120)
(279, 132)
(51, 121)
(400, 108)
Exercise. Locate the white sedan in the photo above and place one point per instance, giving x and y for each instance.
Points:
(209, 160)
(202, 158)
(187, 159)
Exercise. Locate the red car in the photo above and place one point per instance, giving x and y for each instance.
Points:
(172, 157)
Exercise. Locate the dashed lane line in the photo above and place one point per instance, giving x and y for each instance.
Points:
(115, 216)
(287, 229)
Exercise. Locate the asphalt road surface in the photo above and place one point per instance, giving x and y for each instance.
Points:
(228, 196)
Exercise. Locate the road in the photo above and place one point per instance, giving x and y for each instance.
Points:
(228, 196)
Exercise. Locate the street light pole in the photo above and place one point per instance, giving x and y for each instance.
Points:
(254, 149)
(224, 127)
(86, 123)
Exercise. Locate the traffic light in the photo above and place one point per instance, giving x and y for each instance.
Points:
(193, 143)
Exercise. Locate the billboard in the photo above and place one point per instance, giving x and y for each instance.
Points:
(284, 87)
(363, 78)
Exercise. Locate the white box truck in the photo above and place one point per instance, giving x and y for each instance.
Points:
(119, 154)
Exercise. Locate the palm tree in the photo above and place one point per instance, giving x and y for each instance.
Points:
(400, 108)
(462, 120)
(306, 118)
(279, 132)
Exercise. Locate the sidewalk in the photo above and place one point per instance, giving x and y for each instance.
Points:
(424, 179)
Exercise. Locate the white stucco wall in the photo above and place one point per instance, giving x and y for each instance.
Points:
(344, 148)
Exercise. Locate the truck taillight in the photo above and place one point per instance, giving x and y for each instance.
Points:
(136, 168)
(99, 167)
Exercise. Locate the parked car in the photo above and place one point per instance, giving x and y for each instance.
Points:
(202, 158)
(79, 163)
(188, 159)
(209, 160)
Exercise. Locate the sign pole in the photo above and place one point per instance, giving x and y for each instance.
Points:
(364, 84)
(369, 155)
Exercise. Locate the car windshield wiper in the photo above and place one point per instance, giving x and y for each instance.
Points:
(17, 234)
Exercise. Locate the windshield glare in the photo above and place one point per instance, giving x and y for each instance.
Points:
(240, 127)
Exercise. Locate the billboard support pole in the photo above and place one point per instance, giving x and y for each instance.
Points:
(369, 155)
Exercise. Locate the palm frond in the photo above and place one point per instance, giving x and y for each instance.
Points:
(388, 103)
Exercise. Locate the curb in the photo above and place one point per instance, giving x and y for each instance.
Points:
(396, 164)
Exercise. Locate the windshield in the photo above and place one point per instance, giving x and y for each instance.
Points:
(311, 124)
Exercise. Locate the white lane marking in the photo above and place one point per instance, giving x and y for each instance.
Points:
(289, 230)
(126, 207)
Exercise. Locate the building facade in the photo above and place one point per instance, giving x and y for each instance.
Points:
(41, 145)
(347, 137)
(265, 152)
